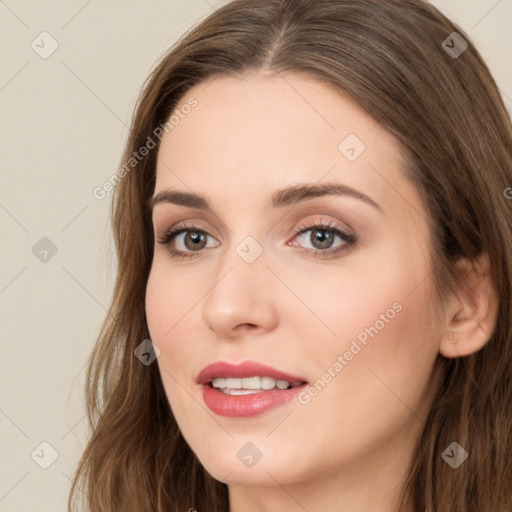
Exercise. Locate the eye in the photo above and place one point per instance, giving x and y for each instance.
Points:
(183, 238)
(322, 238)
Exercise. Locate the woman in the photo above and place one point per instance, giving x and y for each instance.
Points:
(313, 302)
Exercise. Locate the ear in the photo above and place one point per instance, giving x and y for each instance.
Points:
(471, 312)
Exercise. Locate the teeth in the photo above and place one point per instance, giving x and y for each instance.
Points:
(267, 382)
(249, 385)
(282, 384)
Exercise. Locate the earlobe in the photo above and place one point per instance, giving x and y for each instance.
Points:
(472, 311)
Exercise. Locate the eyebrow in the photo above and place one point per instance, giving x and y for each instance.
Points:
(279, 199)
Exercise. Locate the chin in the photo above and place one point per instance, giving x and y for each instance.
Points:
(232, 464)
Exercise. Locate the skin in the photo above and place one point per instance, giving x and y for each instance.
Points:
(349, 447)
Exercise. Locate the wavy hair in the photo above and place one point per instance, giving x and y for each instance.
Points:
(446, 110)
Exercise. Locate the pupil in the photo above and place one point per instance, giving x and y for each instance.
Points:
(323, 236)
(195, 237)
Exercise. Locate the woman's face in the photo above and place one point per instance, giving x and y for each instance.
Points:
(344, 305)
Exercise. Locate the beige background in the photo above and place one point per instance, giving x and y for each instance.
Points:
(63, 125)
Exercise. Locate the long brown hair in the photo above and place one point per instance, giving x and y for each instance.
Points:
(388, 57)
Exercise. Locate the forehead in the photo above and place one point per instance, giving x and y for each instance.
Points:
(273, 105)
(257, 132)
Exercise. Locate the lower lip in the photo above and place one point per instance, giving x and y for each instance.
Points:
(244, 406)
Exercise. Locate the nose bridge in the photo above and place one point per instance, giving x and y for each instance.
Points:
(240, 293)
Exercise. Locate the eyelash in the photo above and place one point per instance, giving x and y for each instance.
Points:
(350, 240)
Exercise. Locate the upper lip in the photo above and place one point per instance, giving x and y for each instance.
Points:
(223, 369)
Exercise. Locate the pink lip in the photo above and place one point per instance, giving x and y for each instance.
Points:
(223, 369)
(245, 405)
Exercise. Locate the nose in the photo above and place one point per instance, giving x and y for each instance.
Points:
(241, 298)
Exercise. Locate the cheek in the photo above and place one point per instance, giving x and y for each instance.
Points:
(167, 302)
(172, 320)
(379, 366)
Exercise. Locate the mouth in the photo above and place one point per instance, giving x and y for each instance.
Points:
(246, 389)
(250, 385)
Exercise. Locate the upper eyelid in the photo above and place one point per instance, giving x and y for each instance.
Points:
(318, 217)
(189, 226)
(301, 226)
